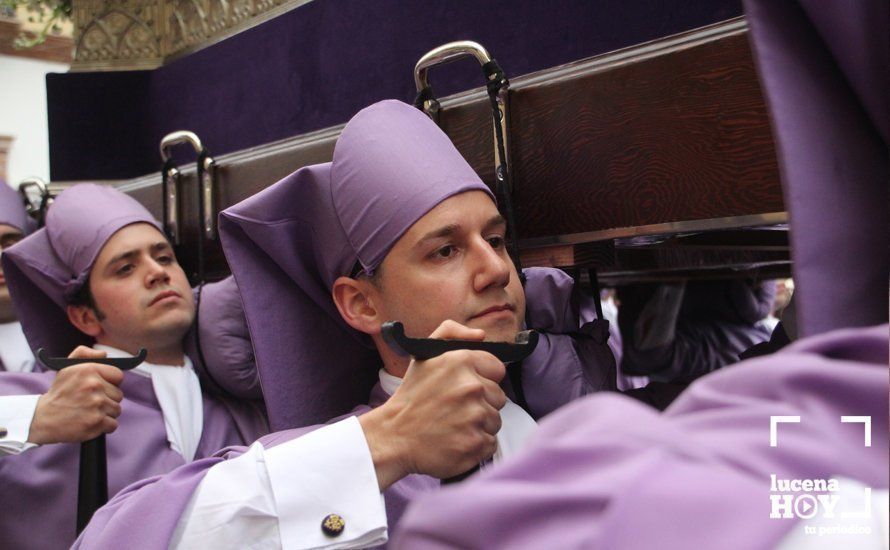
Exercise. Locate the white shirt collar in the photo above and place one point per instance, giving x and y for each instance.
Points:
(388, 382)
(15, 352)
(178, 392)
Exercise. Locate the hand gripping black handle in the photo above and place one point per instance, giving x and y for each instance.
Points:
(92, 482)
(427, 348)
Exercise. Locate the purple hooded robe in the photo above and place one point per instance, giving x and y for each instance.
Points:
(12, 213)
(12, 210)
(39, 486)
(287, 244)
(605, 472)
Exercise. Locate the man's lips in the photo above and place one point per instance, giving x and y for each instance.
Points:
(495, 309)
(163, 295)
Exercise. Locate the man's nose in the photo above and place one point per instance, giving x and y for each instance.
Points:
(493, 268)
(157, 273)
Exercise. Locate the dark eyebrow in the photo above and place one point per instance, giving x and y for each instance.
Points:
(123, 256)
(161, 246)
(495, 221)
(449, 230)
(445, 231)
(156, 247)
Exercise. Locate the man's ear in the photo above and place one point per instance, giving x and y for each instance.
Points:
(84, 318)
(356, 305)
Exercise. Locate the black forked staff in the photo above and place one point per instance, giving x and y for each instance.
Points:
(92, 484)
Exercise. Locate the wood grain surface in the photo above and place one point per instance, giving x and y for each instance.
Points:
(644, 136)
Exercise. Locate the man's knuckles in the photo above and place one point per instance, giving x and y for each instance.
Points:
(83, 352)
(109, 425)
(87, 370)
(111, 374)
(89, 387)
(452, 330)
(91, 422)
(471, 389)
(96, 401)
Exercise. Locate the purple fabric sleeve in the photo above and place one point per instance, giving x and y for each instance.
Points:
(146, 513)
(607, 472)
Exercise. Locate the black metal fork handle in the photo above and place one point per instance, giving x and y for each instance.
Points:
(427, 348)
(92, 477)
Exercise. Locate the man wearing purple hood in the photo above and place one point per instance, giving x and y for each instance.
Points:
(785, 451)
(397, 227)
(15, 355)
(101, 273)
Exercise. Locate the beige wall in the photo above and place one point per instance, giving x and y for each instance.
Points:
(23, 115)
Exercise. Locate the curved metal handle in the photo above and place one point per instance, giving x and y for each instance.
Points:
(34, 181)
(35, 211)
(445, 53)
(177, 137)
(206, 177)
(170, 200)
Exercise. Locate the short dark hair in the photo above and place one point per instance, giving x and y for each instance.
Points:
(375, 277)
(84, 297)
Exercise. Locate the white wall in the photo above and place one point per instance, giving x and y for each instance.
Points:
(23, 115)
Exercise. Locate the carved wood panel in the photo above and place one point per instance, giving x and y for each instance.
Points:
(142, 34)
(664, 134)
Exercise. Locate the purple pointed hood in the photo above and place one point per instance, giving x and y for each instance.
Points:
(46, 269)
(12, 210)
(287, 245)
(823, 67)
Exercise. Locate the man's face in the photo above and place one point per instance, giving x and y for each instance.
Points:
(9, 235)
(453, 264)
(141, 291)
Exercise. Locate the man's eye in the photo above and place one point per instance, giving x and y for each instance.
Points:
(444, 252)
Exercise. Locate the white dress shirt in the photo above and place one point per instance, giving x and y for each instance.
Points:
(277, 498)
(16, 414)
(178, 392)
